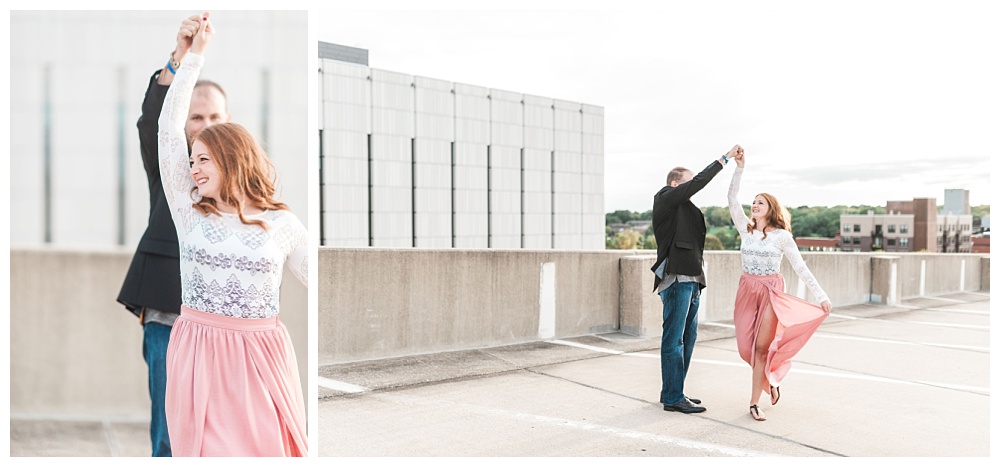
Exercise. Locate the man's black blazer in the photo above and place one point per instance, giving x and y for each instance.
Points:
(679, 226)
(154, 278)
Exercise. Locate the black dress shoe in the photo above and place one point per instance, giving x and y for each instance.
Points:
(684, 406)
(693, 400)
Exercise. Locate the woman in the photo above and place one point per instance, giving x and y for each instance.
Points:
(232, 379)
(771, 326)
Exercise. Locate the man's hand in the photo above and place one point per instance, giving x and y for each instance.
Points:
(203, 35)
(734, 151)
(185, 35)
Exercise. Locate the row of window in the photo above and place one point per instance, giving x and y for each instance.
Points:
(953, 227)
(903, 242)
(903, 228)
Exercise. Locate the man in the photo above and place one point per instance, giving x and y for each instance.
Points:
(679, 227)
(152, 287)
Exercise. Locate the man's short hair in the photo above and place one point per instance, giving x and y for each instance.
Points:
(676, 175)
(213, 84)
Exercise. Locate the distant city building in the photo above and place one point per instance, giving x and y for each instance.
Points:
(818, 244)
(956, 201)
(981, 243)
(954, 233)
(924, 211)
(409, 161)
(891, 232)
(913, 226)
(981, 224)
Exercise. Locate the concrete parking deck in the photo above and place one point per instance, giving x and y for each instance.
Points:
(910, 380)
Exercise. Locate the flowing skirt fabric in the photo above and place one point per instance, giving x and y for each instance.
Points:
(233, 388)
(797, 321)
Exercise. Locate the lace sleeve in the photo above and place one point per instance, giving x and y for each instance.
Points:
(740, 219)
(297, 250)
(172, 143)
(791, 251)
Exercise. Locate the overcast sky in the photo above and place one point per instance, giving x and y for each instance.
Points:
(851, 103)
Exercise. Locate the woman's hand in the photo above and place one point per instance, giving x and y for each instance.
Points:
(827, 306)
(739, 158)
(201, 38)
(185, 35)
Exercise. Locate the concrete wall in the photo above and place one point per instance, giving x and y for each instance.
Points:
(376, 303)
(384, 302)
(75, 352)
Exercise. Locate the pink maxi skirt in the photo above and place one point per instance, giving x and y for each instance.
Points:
(233, 388)
(797, 321)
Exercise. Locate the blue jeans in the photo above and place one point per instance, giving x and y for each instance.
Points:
(154, 349)
(680, 330)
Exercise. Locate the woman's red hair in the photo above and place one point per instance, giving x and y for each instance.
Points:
(246, 171)
(777, 216)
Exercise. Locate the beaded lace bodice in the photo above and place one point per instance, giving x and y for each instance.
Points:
(762, 256)
(227, 267)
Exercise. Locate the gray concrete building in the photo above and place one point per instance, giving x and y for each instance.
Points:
(411, 161)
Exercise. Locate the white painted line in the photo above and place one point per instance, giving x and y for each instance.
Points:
(340, 385)
(945, 299)
(890, 341)
(587, 347)
(818, 373)
(946, 325)
(957, 310)
(882, 341)
(562, 423)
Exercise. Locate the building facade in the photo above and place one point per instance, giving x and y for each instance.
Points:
(410, 161)
(891, 232)
(77, 82)
(912, 226)
(954, 233)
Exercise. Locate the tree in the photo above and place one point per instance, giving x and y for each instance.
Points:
(627, 240)
(729, 237)
(650, 243)
(717, 217)
(712, 242)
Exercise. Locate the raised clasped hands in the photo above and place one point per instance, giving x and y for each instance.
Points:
(202, 35)
(189, 27)
(738, 156)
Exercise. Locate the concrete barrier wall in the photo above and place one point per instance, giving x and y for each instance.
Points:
(75, 351)
(376, 303)
(385, 302)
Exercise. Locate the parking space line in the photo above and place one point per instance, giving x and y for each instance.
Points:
(448, 405)
(340, 385)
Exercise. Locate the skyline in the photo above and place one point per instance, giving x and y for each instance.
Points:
(827, 118)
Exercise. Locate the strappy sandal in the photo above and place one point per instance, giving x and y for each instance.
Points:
(755, 413)
(775, 395)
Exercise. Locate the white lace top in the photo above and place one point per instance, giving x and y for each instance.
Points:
(762, 256)
(227, 267)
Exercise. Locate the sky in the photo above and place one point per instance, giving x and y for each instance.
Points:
(835, 103)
